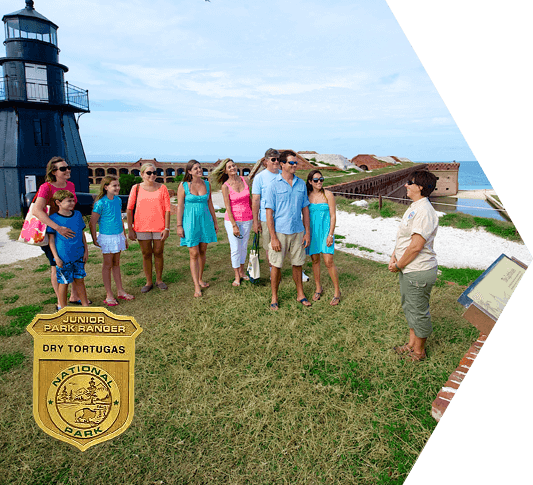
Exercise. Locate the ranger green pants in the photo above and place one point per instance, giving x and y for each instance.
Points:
(415, 289)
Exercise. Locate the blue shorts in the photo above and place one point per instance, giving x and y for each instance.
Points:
(71, 271)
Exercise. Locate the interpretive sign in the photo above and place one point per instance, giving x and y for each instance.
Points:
(486, 297)
(83, 370)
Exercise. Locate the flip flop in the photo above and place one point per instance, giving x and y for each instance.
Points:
(335, 301)
(204, 285)
(274, 306)
(245, 278)
(126, 297)
(235, 284)
(303, 301)
(110, 302)
(318, 294)
(79, 302)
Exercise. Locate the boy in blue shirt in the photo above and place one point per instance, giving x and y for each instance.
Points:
(70, 254)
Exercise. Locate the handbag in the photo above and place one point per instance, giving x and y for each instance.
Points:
(135, 206)
(33, 230)
(254, 270)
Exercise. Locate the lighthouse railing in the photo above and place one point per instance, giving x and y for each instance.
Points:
(44, 92)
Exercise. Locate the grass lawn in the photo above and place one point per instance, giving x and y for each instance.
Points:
(227, 391)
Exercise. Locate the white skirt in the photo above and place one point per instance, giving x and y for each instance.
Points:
(111, 243)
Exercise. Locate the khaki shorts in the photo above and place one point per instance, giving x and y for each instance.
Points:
(148, 236)
(266, 235)
(290, 244)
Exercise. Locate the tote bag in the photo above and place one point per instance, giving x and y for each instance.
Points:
(253, 269)
(33, 230)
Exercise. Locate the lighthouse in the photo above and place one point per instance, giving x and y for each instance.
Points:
(39, 110)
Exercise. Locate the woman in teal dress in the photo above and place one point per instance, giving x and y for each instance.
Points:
(197, 221)
(322, 221)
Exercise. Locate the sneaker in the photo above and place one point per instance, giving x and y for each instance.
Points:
(305, 278)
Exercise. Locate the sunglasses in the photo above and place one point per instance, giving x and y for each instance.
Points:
(411, 182)
(274, 159)
(291, 163)
(149, 172)
(62, 169)
(321, 179)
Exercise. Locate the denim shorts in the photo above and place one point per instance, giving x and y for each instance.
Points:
(75, 270)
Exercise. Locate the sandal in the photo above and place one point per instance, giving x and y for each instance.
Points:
(110, 302)
(335, 301)
(236, 283)
(303, 301)
(274, 306)
(403, 349)
(197, 294)
(78, 302)
(126, 297)
(413, 357)
(162, 286)
(146, 288)
(245, 278)
(204, 285)
(318, 294)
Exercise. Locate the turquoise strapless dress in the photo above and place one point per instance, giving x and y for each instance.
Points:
(319, 222)
(197, 221)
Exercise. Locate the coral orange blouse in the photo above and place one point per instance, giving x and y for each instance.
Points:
(151, 208)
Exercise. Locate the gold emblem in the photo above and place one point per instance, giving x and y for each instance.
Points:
(83, 373)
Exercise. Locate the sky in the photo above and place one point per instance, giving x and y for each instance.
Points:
(181, 79)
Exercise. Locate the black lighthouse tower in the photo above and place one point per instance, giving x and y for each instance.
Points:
(39, 111)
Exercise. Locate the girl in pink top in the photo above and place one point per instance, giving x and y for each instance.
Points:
(151, 223)
(238, 219)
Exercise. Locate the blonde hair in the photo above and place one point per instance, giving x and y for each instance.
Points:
(105, 181)
(219, 174)
(50, 168)
(146, 165)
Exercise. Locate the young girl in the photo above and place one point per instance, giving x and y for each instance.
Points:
(111, 239)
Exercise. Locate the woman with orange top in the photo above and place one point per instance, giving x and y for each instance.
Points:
(150, 226)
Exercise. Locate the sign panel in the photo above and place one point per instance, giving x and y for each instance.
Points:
(493, 289)
(83, 374)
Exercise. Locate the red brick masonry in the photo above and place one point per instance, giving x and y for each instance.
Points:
(452, 384)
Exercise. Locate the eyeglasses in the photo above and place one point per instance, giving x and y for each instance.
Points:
(321, 179)
(290, 163)
(62, 169)
(149, 172)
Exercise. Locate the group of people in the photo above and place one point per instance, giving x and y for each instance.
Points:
(295, 219)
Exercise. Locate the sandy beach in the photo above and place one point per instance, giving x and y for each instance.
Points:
(455, 248)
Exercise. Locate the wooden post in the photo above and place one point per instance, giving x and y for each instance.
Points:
(380, 202)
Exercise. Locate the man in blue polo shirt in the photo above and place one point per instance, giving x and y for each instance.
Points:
(286, 205)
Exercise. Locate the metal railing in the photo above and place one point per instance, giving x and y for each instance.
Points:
(44, 92)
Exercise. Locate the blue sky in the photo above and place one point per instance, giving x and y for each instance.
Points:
(194, 79)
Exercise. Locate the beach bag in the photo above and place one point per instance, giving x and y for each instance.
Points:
(253, 270)
(33, 230)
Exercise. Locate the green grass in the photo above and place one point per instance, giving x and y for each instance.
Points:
(228, 392)
(10, 361)
(503, 229)
(461, 276)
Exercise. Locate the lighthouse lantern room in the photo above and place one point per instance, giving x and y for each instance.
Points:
(39, 110)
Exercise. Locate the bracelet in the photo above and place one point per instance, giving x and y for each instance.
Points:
(167, 229)
(179, 225)
(397, 267)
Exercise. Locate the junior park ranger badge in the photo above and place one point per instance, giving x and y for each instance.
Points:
(83, 368)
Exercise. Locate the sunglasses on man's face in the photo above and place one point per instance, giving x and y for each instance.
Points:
(321, 179)
(291, 163)
(274, 159)
(149, 172)
(411, 182)
(63, 169)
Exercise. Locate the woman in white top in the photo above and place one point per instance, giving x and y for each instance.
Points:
(415, 261)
